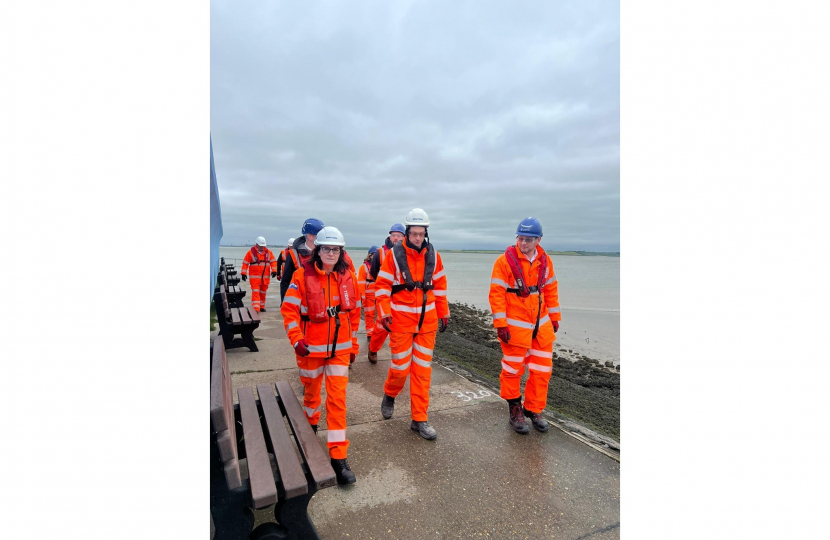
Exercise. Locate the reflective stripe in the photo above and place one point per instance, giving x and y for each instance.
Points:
(383, 292)
(359, 304)
(407, 309)
(361, 282)
(422, 350)
(509, 369)
(497, 281)
(337, 370)
(336, 435)
(499, 315)
(386, 275)
(537, 352)
(539, 368)
(367, 308)
(439, 275)
(393, 365)
(439, 293)
(292, 300)
(292, 324)
(422, 363)
(313, 373)
(311, 412)
(554, 310)
(551, 280)
(514, 358)
(303, 309)
(543, 320)
(404, 354)
(520, 324)
(326, 348)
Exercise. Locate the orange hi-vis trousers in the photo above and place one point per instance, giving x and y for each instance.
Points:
(259, 287)
(411, 355)
(378, 336)
(369, 312)
(539, 363)
(335, 373)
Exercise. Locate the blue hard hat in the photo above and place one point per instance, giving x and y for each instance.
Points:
(529, 226)
(312, 226)
(397, 227)
(373, 249)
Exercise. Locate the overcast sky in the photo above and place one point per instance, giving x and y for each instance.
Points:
(480, 112)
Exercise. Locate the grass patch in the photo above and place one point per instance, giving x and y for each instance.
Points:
(213, 318)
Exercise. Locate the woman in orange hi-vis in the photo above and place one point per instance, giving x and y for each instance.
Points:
(321, 313)
(524, 299)
(411, 302)
(367, 292)
(260, 265)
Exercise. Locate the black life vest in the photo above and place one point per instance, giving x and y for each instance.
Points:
(399, 252)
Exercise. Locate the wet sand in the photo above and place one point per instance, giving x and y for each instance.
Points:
(581, 388)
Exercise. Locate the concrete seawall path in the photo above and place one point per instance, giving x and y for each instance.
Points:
(479, 479)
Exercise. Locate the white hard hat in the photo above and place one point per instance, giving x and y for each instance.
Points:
(260, 241)
(417, 217)
(330, 236)
(290, 241)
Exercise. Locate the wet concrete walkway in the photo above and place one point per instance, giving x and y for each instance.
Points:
(479, 479)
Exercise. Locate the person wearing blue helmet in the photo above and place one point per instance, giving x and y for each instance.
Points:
(524, 300)
(367, 292)
(300, 252)
(397, 232)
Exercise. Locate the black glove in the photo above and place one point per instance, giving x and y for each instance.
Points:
(273, 274)
(244, 277)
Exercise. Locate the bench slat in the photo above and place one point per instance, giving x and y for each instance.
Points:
(263, 488)
(254, 315)
(315, 457)
(237, 320)
(291, 471)
(243, 313)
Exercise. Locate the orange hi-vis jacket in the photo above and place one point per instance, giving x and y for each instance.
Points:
(263, 266)
(519, 314)
(405, 306)
(366, 287)
(320, 336)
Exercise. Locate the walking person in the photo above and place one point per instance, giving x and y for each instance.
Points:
(283, 256)
(379, 333)
(367, 292)
(321, 314)
(524, 300)
(299, 251)
(411, 298)
(260, 265)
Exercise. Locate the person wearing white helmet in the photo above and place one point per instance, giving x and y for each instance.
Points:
(411, 302)
(261, 264)
(321, 314)
(283, 256)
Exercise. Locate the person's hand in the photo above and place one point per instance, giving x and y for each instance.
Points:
(244, 277)
(351, 358)
(555, 326)
(301, 347)
(443, 323)
(279, 277)
(273, 274)
(387, 323)
(504, 334)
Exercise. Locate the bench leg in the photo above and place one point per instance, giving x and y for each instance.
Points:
(248, 339)
(293, 515)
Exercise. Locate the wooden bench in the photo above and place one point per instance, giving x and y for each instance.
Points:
(227, 276)
(278, 473)
(235, 293)
(233, 321)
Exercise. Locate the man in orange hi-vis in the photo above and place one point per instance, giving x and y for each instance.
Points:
(260, 265)
(524, 299)
(379, 333)
(321, 314)
(411, 302)
(367, 292)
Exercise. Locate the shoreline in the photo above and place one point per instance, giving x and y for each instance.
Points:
(581, 388)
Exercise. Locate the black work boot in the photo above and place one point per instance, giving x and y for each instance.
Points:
(343, 471)
(263, 310)
(314, 427)
(373, 357)
(424, 430)
(387, 406)
(539, 423)
(517, 419)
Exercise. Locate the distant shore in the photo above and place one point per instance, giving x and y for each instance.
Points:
(581, 388)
